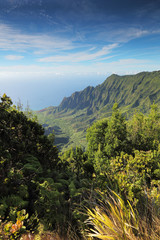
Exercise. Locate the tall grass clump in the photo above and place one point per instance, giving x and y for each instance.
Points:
(116, 220)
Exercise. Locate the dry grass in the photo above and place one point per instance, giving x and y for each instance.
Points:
(115, 221)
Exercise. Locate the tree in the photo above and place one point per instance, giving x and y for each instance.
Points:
(96, 143)
(116, 135)
(144, 131)
(106, 139)
(27, 157)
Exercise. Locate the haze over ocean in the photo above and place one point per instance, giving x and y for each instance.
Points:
(39, 94)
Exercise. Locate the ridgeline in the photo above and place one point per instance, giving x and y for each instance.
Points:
(76, 113)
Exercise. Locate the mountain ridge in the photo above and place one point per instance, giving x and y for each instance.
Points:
(77, 112)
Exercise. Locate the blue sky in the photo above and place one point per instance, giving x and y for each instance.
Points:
(51, 48)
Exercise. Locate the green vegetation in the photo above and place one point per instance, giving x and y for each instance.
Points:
(114, 220)
(76, 113)
(28, 169)
(110, 190)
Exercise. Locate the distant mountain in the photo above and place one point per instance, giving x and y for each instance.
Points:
(76, 113)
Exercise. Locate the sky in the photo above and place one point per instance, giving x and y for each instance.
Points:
(52, 48)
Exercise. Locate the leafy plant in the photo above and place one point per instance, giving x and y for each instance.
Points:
(116, 220)
(13, 230)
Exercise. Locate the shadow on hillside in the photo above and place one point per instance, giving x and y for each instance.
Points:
(60, 137)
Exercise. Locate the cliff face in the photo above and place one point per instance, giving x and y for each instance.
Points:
(77, 112)
(78, 100)
(131, 90)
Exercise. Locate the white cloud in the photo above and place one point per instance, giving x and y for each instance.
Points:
(14, 57)
(39, 73)
(123, 34)
(128, 66)
(14, 40)
(81, 56)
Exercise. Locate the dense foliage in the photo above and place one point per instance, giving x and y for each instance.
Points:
(40, 187)
(28, 169)
(123, 156)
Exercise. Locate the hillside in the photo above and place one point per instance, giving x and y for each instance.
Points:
(76, 113)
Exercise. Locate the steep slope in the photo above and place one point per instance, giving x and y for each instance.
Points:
(74, 115)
